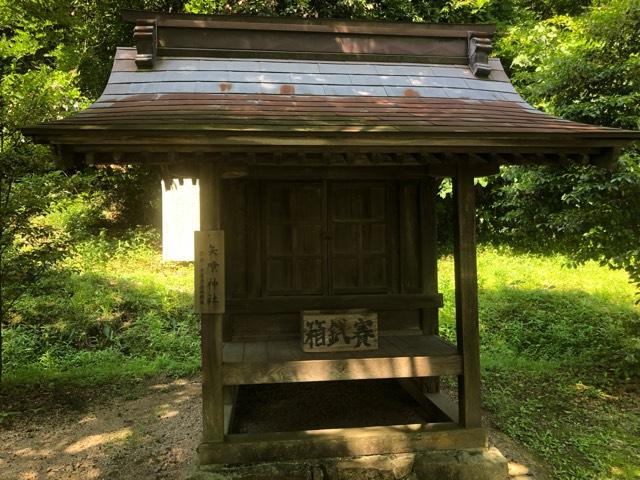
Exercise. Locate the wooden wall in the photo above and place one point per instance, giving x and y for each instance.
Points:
(307, 244)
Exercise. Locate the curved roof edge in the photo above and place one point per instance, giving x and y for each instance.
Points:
(259, 103)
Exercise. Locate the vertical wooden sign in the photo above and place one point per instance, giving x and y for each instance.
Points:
(209, 295)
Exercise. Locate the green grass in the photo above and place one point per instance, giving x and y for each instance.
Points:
(560, 351)
(113, 311)
(560, 346)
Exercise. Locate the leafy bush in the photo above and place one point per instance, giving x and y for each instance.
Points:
(585, 68)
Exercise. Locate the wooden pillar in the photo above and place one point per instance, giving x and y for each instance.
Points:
(429, 251)
(211, 324)
(466, 279)
(429, 265)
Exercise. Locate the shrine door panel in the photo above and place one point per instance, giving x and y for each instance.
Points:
(293, 246)
(359, 243)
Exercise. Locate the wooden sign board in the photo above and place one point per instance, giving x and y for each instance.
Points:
(209, 293)
(339, 331)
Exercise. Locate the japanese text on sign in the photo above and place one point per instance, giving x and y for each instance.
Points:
(339, 331)
(209, 272)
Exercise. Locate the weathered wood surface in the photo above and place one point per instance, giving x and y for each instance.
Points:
(266, 23)
(479, 50)
(211, 324)
(144, 36)
(286, 326)
(115, 146)
(466, 285)
(429, 251)
(283, 361)
(294, 164)
(444, 403)
(429, 258)
(347, 442)
(284, 304)
(209, 270)
(349, 369)
(223, 104)
(318, 244)
(339, 331)
(293, 246)
(291, 38)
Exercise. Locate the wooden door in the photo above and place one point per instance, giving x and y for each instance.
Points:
(293, 248)
(359, 253)
(326, 238)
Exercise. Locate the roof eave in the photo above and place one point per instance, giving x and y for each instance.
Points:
(140, 139)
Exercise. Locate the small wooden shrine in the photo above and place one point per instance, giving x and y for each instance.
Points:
(319, 146)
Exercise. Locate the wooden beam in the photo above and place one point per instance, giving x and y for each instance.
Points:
(211, 325)
(343, 442)
(182, 143)
(479, 48)
(429, 251)
(466, 283)
(337, 171)
(341, 369)
(145, 37)
(429, 264)
(290, 304)
(439, 405)
(442, 402)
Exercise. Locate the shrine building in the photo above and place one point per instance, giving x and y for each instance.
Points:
(319, 147)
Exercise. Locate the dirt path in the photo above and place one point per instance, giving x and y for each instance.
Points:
(148, 433)
(150, 437)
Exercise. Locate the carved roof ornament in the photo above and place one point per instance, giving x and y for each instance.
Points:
(480, 47)
(144, 36)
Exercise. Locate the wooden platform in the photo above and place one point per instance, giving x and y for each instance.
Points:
(246, 363)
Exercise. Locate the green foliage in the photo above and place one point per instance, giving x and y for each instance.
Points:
(581, 422)
(49, 51)
(77, 36)
(585, 211)
(396, 10)
(38, 95)
(114, 303)
(585, 68)
(29, 93)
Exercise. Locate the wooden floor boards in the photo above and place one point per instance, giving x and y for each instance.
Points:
(284, 361)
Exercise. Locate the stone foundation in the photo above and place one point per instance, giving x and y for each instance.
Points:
(480, 464)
